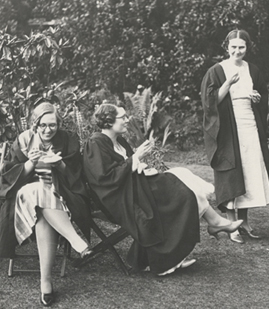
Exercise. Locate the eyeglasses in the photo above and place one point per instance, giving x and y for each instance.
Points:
(43, 126)
(123, 117)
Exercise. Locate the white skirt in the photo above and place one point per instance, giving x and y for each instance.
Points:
(199, 187)
(30, 196)
(254, 171)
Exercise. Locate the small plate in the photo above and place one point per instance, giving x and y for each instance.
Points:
(150, 171)
(52, 159)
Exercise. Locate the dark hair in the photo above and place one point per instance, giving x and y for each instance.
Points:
(241, 34)
(105, 115)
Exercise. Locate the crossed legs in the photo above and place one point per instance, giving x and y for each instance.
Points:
(51, 222)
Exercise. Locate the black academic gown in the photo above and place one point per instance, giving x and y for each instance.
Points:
(220, 132)
(159, 212)
(71, 188)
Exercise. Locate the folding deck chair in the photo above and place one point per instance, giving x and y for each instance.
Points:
(107, 242)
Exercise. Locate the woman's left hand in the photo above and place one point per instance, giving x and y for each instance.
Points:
(255, 96)
(54, 160)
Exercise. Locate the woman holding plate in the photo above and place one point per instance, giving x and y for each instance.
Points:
(41, 185)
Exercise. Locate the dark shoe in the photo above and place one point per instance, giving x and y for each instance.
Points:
(236, 237)
(47, 299)
(244, 231)
(85, 256)
(232, 227)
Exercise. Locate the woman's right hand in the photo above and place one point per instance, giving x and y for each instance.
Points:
(234, 79)
(34, 155)
(144, 149)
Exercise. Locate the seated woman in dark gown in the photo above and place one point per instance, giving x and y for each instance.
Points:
(161, 212)
(42, 186)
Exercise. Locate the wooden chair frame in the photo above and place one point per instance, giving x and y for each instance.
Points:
(66, 255)
(107, 242)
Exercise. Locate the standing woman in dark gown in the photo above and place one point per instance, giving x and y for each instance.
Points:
(235, 102)
(42, 186)
(161, 212)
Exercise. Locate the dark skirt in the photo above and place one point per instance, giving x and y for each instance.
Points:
(178, 210)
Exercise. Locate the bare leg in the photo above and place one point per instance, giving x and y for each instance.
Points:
(47, 239)
(214, 219)
(59, 220)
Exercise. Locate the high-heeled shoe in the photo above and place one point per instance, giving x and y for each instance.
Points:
(47, 299)
(214, 230)
(244, 231)
(236, 237)
(85, 255)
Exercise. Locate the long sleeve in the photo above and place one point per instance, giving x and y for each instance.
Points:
(211, 121)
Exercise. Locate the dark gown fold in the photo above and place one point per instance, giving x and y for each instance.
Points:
(160, 212)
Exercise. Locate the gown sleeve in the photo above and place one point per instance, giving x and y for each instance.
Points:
(211, 121)
(262, 106)
(103, 170)
(12, 176)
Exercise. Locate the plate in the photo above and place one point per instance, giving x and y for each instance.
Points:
(52, 159)
(150, 171)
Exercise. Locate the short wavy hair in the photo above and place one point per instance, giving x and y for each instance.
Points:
(241, 34)
(105, 115)
(41, 110)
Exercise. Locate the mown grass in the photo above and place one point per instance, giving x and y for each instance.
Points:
(226, 275)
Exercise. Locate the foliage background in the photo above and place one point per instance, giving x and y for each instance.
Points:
(117, 44)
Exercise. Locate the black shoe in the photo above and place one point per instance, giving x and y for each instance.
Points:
(47, 299)
(85, 256)
(243, 231)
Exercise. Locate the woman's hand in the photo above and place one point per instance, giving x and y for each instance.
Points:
(140, 153)
(144, 149)
(255, 96)
(34, 155)
(225, 88)
(234, 79)
(52, 158)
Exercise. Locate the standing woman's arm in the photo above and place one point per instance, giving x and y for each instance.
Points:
(224, 89)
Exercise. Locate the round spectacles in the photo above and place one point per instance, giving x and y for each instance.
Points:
(123, 117)
(43, 126)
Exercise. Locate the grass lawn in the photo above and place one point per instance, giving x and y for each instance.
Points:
(226, 275)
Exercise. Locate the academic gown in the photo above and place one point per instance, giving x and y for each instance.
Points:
(160, 212)
(71, 188)
(220, 132)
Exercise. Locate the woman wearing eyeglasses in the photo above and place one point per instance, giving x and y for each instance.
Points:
(161, 211)
(41, 185)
